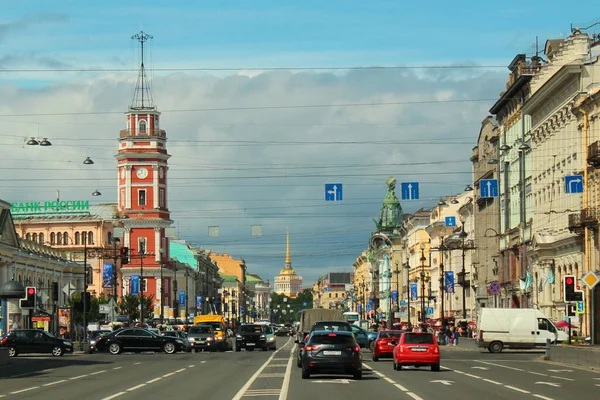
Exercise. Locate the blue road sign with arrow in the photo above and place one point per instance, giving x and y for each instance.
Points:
(410, 190)
(573, 184)
(333, 192)
(450, 221)
(488, 188)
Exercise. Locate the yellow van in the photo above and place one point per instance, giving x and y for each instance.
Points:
(222, 341)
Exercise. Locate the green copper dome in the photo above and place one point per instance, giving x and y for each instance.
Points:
(391, 215)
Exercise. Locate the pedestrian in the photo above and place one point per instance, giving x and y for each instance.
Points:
(454, 337)
(448, 336)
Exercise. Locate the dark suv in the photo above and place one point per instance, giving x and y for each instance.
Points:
(22, 341)
(251, 336)
(331, 352)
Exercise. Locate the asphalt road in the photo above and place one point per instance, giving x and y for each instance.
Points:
(466, 373)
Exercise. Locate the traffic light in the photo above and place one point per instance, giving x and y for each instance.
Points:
(571, 292)
(30, 297)
(124, 255)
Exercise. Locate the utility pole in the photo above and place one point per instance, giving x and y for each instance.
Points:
(85, 286)
(116, 241)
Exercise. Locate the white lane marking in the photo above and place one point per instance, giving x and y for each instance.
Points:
(515, 388)
(191, 366)
(202, 362)
(78, 377)
(500, 365)
(389, 380)
(472, 376)
(98, 372)
(250, 381)
(154, 380)
(180, 370)
(286, 378)
(169, 374)
(48, 370)
(491, 381)
(137, 363)
(563, 378)
(114, 396)
(24, 390)
(141, 385)
(414, 396)
(537, 373)
(54, 383)
(399, 386)
(539, 396)
(117, 367)
(548, 383)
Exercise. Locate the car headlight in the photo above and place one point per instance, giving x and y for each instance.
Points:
(208, 339)
(271, 339)
(238, 336)
(219, 338)
(192, 339)
(92, 342)
(263, 337)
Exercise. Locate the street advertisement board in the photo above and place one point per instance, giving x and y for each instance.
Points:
(41, 323)
(413, 291)
(107, 275)
(134, 288)
(64, 322)
(449, 281)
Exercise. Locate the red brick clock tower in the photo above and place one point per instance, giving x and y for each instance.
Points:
(142, 197)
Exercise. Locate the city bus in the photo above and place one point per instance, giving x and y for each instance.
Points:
(351, 317)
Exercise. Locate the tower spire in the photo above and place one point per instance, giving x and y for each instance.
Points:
(142, 96)
(288, 258)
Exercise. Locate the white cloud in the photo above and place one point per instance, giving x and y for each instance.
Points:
(237, 167)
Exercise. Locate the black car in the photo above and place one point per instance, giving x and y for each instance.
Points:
(22, 341)
(202, 337)
(137, 340)
(93, 338)
(284, 331)
(331, 352)
(181, 335)
(251, 336)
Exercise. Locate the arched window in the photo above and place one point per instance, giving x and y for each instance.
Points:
(142, 127)
(28, 236)
(90, 237)
(42, 241)
(65, 238)
(35, 238)
(52, 238)
(77, 238)
(59, 239)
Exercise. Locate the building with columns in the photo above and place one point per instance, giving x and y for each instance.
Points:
(288, 282)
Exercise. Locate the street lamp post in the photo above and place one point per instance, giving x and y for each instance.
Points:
(397, 273)
(141, 253)
(463, 235)
(442, 285)
(162, 288)
(85, 287)
(407, 267)
(187, 274)
(116, 242)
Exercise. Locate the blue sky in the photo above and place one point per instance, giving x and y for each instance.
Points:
(236, 168)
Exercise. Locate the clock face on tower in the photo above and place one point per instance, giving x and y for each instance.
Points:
(142, 173)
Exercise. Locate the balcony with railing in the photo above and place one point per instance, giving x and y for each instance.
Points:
(588, 217)
(593, 157)
(129, 133)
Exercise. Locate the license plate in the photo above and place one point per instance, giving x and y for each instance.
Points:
(332, 353)
(418, 349)
(249, 344)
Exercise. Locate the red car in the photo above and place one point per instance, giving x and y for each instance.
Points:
(384, 344)
(417, 349)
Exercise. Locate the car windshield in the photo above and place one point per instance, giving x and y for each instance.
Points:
(200, 329)
(251, 329)
(331, 326)
(387, 335)
(416, 338)
(332, 338)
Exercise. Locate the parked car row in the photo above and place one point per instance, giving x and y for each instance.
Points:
(23, 341)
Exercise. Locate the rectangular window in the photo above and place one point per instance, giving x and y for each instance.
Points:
(161, 198)
(123, 198)
(142, 245)
(141, 197)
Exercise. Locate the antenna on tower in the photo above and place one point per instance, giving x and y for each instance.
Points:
(142, 96)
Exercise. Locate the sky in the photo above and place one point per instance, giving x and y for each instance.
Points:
(264, 102)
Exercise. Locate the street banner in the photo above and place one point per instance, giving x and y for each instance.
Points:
(198, 303)
(370, 305)
(107, 275)
(449, 281)
(359, 308)
(413, 291)
(156, 311)
(134, 285)
(181, 297)
(395, 296)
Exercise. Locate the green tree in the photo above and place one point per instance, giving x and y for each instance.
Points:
(129, 305)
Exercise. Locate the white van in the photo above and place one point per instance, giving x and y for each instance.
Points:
(517, 328)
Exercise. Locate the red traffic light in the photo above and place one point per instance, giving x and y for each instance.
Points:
(31, 291)
(569, 281)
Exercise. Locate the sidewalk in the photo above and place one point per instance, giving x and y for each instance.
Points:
(581, 356)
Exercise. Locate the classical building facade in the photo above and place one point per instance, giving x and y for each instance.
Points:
(486, 233)
(288, 282)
